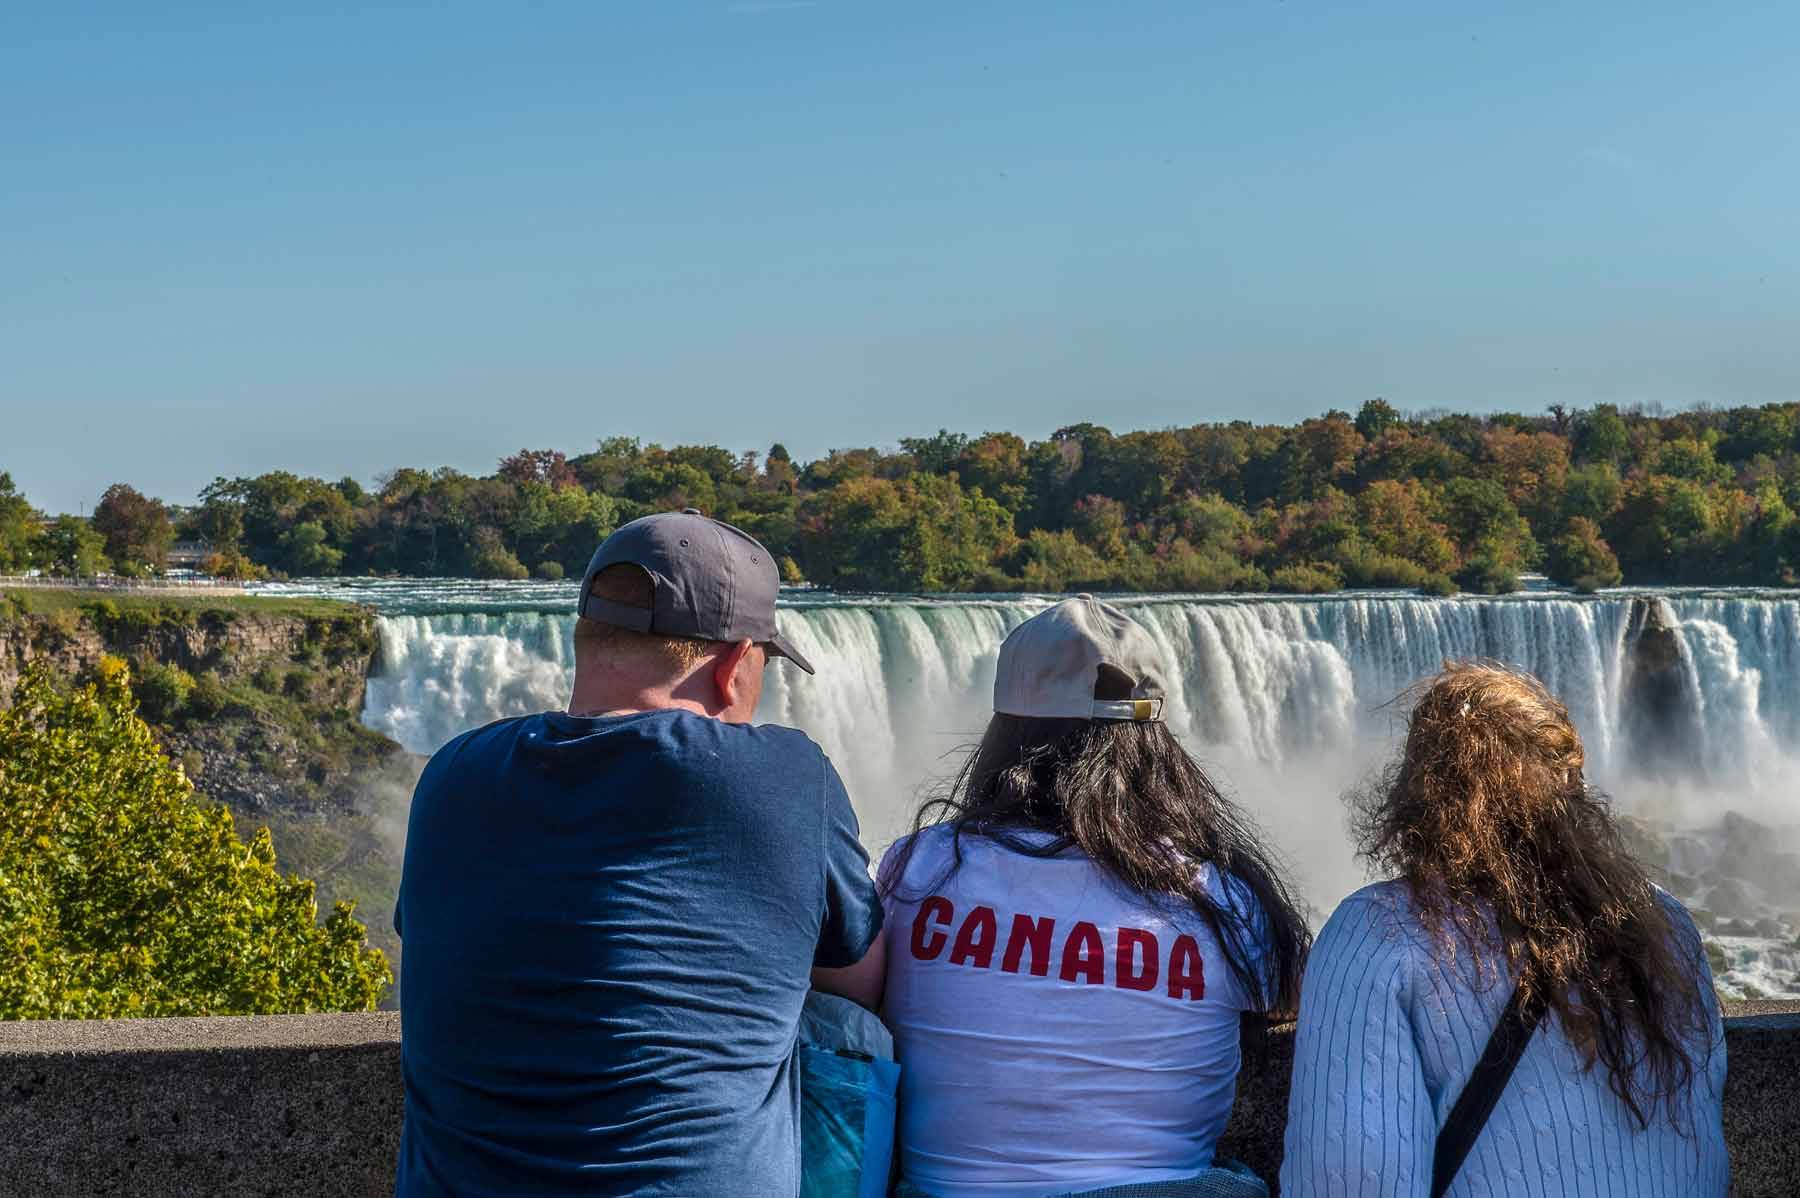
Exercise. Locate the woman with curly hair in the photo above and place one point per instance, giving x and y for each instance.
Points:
(1518, 931)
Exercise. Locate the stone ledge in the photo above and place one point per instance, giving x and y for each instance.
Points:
(311, 1105)
(247, 1032)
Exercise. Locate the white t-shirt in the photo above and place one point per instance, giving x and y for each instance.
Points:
(1056, 1031)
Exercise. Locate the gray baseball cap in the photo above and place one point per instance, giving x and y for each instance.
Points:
(712, 581)
(1050, 663)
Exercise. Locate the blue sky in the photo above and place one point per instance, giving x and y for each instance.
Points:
(340, 239)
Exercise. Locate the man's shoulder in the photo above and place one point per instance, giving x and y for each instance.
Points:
(475, 741)
(745, 759)
(741, 742)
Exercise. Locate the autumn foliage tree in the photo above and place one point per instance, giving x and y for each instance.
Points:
(121, 895)
(136, 529)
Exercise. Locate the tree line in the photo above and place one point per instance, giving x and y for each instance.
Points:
(1436, 501)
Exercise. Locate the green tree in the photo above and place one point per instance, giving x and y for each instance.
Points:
(121, 895)
(995, 462)
(18, 527)
(1058, 561)
(1581, 558)
(1593, 492)
(561, 525)
(162, 691)
(1495, 540)
(937, 454)
(1774, 538)
(218, 520)
(70, 548)
(1662, 528)
(271, 510)
(1376, 417)
(305, 550)
(1691, 458)
(1769, 431)
(492, 559)
(1601, 435)
(921, 533)
(778, 473)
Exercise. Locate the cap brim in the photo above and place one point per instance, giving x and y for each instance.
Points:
(780, 647)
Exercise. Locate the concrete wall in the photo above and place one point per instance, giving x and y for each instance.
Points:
(310, 1105)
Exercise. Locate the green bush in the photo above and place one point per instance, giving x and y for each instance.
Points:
(1306, 579)
(122, 895)
(1485, 575)
(1365, 569)
(1581, 558)
(1208, 568)
(65, 623)
(1441, 586)
(162, 690)
(208, 698)
(298, 684)
(550, 571)
(268, 678)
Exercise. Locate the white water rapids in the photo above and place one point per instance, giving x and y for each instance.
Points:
(1284, 700)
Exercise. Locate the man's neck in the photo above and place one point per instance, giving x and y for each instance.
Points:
(586, 706)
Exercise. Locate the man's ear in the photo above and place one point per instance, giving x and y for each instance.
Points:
(725, 673)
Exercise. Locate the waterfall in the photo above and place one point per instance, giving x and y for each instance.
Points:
(1287, 701)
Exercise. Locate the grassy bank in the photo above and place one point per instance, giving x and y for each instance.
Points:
(161, 609)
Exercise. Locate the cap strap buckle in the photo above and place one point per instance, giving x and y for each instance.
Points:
(1136, 710)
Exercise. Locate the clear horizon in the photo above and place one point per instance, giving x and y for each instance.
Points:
(340, 241)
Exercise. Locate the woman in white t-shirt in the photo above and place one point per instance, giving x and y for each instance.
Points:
(1074, 933)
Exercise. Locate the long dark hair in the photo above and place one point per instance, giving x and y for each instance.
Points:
(1487, 814)
(1128, 796)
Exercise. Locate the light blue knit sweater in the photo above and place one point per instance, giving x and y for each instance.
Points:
(1388, 1036)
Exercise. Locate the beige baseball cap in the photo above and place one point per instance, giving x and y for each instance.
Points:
(1050, 663)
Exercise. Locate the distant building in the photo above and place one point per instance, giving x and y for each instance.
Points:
(189, 555)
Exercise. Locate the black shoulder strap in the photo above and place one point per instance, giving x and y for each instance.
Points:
(1476, 1102)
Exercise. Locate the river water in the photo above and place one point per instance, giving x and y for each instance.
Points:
(1287, 701)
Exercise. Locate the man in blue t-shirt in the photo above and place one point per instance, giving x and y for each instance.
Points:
(611, 915)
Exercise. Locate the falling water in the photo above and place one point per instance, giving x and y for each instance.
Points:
(1287, 701)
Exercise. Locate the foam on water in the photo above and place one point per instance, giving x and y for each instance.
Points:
(1286, 700)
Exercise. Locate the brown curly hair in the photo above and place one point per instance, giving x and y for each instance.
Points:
(1487, 814)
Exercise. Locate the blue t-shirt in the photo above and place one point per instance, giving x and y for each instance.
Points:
(608, 928)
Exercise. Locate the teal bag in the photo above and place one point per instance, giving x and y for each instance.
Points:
(1226, 1179)
(849, 1087)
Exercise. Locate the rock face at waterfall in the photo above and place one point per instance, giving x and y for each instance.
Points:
(1659, 702)
(287, 676)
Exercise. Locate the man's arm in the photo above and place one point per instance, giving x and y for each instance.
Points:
(851, 956)
(862, 982)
